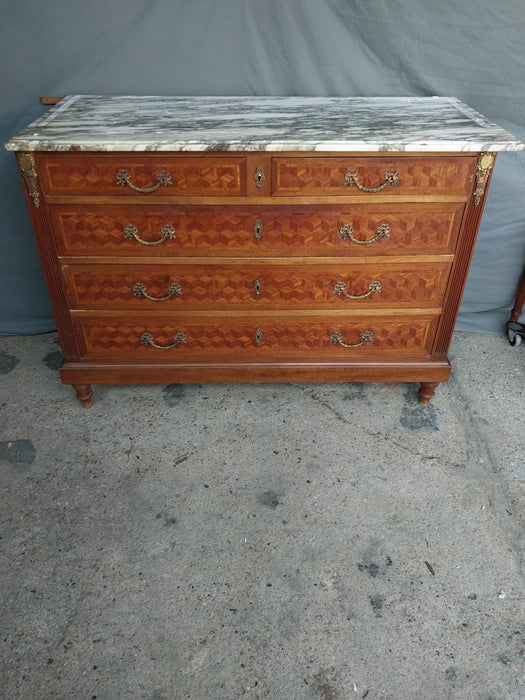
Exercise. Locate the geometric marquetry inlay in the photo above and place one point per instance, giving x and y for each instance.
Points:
(229, 338)
(286, 230)
(233, 286)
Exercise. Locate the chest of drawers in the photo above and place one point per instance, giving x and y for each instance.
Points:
(225, 259)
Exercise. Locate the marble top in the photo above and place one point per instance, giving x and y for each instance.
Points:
(124, 123)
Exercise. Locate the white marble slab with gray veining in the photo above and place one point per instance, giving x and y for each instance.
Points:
(133, 123)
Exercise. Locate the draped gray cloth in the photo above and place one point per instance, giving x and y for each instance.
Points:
(471, 50)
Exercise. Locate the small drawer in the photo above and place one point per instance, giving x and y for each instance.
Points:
(388, 176)
(145, 175)
(251, 338)
(174, 230)
(256, 286)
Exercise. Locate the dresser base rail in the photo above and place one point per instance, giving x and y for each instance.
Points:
(82, 375)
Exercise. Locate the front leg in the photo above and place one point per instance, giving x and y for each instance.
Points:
(426, 391)
(84, 394)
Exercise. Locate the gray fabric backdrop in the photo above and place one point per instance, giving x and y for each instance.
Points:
(471, 49)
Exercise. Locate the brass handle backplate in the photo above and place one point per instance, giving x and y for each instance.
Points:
(382, 231)
(337, 339)
(374, 287)
(163, 177)
(140, 290)
(178, 339)
(167, 231)
(352, 178)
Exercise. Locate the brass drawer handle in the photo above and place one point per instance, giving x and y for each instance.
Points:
(352, 178)
(382, 231)
(374, 287)
(337, 338)
(167, 231)
(178, 338)
(258, 229)
(140, 290)
(163, 177)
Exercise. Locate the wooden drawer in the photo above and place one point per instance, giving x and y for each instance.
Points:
(254, 338)
(388, 176)
(256, 286)
(166, 175)
(345, 230)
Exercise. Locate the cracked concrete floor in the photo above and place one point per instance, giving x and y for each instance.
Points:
(329, 541)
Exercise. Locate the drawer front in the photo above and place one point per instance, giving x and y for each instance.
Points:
(256, 286)
(254, 339)
(346, 230)
(142, 175)
(365, 176)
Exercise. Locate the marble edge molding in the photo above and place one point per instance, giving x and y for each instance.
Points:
(432, 131)
(300, 146)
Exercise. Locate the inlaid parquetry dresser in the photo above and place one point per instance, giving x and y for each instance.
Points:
(256, 239)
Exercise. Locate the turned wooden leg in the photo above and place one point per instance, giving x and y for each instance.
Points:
(84, 394)
(426, 391)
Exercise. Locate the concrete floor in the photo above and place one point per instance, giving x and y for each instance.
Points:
(263, 541)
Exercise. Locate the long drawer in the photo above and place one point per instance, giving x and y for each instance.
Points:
(314, 230)
(254, 338)
(142, 174)
(257, 285)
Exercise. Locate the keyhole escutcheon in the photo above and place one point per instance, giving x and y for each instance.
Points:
(259, 177)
